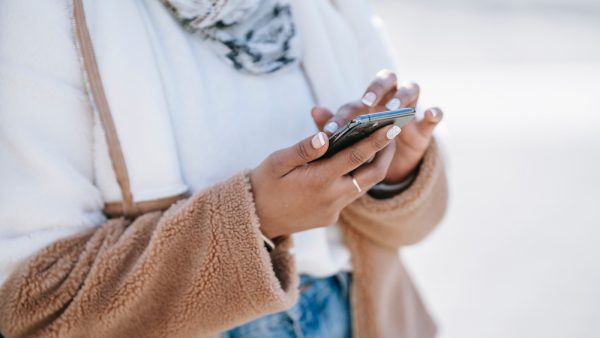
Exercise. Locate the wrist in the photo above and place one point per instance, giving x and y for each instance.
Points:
(400, 172)
(385, 190)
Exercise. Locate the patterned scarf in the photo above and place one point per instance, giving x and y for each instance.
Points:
(254, 36)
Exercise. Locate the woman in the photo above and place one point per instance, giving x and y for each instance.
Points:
(113, 112)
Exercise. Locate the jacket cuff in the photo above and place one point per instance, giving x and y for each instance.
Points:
(413, 195)
(268, 279)
(409, 216)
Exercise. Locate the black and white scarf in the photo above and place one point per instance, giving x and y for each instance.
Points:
(254, 36)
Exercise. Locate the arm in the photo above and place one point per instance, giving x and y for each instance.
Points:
(200, 267)
(408, 217)
(197, 269)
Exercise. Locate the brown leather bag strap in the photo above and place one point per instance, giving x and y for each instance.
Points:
(101, 105)
(127, 208)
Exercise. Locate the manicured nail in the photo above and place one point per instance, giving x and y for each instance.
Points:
(392, 133)
(433, 113)
(369, 98)
(331, 127)
(318, 140)
(393, 104)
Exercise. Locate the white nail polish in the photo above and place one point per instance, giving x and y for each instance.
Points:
(393, 104)
(369, 99)
(392, 133)
(331, 127)
(318, 140)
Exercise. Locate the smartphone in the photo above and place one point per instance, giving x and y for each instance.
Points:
(364, 125)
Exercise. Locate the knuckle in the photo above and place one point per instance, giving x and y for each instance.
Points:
(302, 152)
(347, 107)
(379, 143)
(386, 73)
(392, 78)
(411, 88)
(357, 157)
(275, 160)
(386, 78)
(354, 106)
(377, 86)
(349, 110)
(273, 157)
(415, 86)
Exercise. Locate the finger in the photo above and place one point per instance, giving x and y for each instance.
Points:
(369, 175)
(346, 113)
(285, 160)
(430, 120)
(384, 82)
(407, 95)
(354, 156)
(321, 115)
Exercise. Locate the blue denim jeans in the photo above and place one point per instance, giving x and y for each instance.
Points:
(322, 311)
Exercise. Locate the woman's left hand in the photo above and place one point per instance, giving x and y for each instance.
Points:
(383, 94)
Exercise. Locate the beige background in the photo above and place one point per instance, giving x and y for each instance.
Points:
(518, 254)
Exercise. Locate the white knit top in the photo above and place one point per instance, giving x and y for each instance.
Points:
(185, 119)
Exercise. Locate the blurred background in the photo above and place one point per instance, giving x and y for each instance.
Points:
(518, 254)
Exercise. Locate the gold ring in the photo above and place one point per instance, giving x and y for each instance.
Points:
(356, 184)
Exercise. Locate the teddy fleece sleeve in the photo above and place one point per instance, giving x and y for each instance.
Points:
(192, 271)
(409, 216)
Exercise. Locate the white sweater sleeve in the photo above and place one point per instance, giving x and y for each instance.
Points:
(376, 51)
(46, 166)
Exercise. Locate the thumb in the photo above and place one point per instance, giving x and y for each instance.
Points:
(285, 160)
(321, 115)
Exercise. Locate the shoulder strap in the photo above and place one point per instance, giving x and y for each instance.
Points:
(128, 207)
(101, 104)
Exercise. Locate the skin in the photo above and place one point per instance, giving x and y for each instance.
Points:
(293, 192)
(415, 136)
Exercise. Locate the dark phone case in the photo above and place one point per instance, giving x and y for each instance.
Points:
(364, 125)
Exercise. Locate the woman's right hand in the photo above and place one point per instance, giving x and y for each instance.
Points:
(293, 194)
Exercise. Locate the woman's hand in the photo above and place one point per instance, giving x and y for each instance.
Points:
(381, 95)
(293, 193)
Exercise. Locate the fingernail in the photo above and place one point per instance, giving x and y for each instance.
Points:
(433, 112)
(369, 98)
(393, 132)
(331, 127)
(393, 104)
(318, 140)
